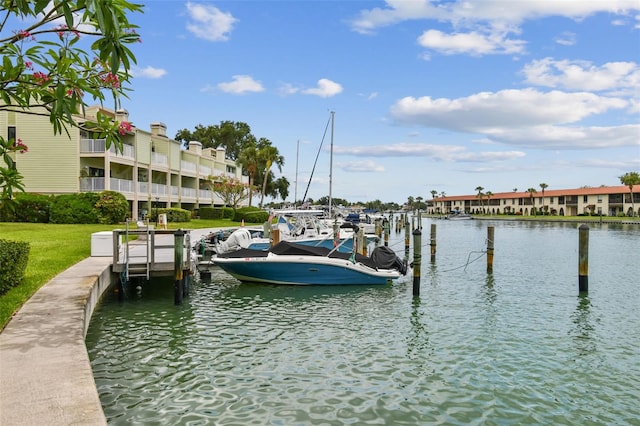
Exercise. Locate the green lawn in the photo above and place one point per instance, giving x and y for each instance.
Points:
(55, 248)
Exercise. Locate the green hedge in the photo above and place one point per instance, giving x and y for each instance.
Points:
(29, 207)
(216, 213)
(13, 262)
(251, 215)
(75, 208)
(112, 207)
(174, 214)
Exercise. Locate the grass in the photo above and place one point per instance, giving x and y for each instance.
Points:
(54, 248)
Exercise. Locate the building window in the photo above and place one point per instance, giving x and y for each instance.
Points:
(550, 200)
(585, 198)
(11, 133)
(599, 198)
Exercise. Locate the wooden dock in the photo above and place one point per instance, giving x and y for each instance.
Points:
(147, 253)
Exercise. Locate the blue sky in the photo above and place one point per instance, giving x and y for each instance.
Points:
(427, 95)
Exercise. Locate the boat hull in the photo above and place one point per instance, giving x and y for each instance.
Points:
(304, 271)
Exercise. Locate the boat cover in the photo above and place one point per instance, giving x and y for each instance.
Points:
(382, 257)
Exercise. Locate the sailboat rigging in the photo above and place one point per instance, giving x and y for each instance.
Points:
(329, 122)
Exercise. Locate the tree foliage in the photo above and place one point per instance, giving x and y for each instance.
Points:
(231, 190)
(631, 179)
(48, 70)
(233, 136)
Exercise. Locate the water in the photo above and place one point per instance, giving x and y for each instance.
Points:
(520, 346)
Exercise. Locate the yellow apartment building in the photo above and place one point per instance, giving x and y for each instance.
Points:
(152, 171)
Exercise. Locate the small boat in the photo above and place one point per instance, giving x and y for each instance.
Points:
(459, 216)
(297, 264)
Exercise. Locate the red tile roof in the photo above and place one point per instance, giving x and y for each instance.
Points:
(601, 190)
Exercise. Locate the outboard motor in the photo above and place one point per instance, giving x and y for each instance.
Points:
(240, 238)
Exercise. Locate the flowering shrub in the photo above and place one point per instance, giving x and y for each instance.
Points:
(232, 191)
(45, 71)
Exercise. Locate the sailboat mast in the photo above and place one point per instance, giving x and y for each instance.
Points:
(295, 196)
(331, 164)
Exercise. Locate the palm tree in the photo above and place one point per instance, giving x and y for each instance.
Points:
(488, 194)
(480, 195)
(531, 191)
(248, 159)
(433, 197)
(630, 179)
(543, 186)
(269, 154)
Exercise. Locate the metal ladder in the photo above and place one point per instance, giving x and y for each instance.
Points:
(137, 265)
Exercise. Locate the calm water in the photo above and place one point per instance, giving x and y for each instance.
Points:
(520, 346)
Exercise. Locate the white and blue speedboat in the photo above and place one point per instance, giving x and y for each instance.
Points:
(297, 264)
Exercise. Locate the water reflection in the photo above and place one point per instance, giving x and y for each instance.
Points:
(418, 335)
(512, 347)
(582, 332)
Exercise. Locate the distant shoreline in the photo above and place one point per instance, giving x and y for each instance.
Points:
(569, 219)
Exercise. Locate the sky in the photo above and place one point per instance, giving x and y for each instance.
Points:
(426, 95)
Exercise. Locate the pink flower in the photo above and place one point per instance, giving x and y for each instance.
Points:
(111, 80)
(28, 65)
(40, 77)
(124, 127)
(20, 147)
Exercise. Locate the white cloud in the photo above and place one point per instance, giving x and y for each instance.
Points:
(570, 137)
(148, 72)
(463, 13)
(567, 38)
(473, 43)
(483, 27)
(325, 89)
(361, 167)
(582, 75)
(527, 118)
(485, 111)
(435, 152)
(241, 84)
(208, 22)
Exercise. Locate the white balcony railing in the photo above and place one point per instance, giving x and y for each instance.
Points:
(205, 195)
(189, 192)
(158, 189)
(92, 145)
(205, 171)
(121, 185)
(92, 184)
(127, 151)
(159, 159)
(187, 166)
(175, 191)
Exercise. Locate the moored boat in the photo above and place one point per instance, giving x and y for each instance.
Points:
(297, 264)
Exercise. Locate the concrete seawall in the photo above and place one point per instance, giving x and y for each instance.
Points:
(45, 372)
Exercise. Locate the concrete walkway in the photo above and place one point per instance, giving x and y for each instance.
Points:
(45, 371)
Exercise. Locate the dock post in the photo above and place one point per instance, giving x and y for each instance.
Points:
(385, 225)
(583, 258)
(178, 255)
(275, 236)
(490, 245)
(433, 242)
(407, 241)
(361, 242)
(417, 259)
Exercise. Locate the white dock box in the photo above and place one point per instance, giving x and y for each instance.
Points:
(102, 244)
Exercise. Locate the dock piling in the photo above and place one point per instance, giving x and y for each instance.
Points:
(178, 254)
(417, 259)
(490, 245)
(433, 242)
(583, 258)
